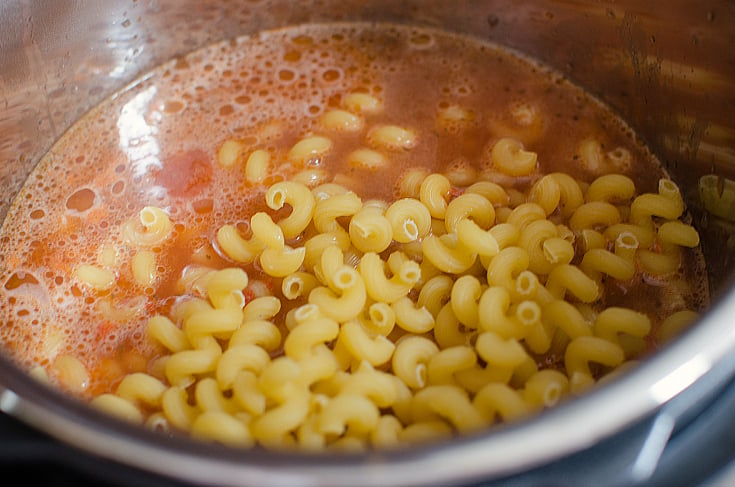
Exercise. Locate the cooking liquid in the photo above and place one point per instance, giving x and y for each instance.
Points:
(155, 144)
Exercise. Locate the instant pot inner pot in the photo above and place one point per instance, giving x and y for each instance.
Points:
(666, 67)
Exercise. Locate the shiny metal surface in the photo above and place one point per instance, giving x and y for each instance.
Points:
(666, 66)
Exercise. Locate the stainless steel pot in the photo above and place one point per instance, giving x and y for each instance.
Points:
(666, 66)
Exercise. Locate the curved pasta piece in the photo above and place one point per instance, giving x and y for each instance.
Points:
(595, 214)
(410, 360)
(305, 336)
(503, 269)
(532, 239)
(443, 365)
(476, 240)
(496, 399)
(583, 350)
(209, 397)
(117, 406)
(222, 427)
(370, 230)
(569, 278)
(493, 308)
(140, 387)
(176, 408)
(182, 367)
(257, 332)
(385, 290)
(490, 191)
(566, 317)
(238, 358)
(301, 200)
(212, 322)
(328, 210)
(409, 218)
(376, 350)
(545, 388)
(666, 204)
(270, 428)
(434, 193)
(448, 331)
(557, 190)
(610, 188)
(152, 227)
(358, 412)
(469, 205)
(379, 387)
(434, 293)
(282, 262)
(448, 402)
(615, 320)
(236, 247)
(411, 318)
(596, 262)
(349, 303)
(506, 353)
(447, 254)
(509, 156)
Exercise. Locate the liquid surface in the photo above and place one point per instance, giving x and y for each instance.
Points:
(156, 144)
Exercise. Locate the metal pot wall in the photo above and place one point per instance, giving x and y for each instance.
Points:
(665, 66)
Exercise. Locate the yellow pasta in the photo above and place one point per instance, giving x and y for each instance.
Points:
(392, 137)
(433, 194)
(599, 261)
(615, 320)
(678, 233)
(144, 267)
(282, 262)
(447, 254)
(341, 121)
(223, 428)
(443, 365)
(376, 350)
(448, 402)
(229, 153)
(546, 388)
(257, 165)
(385, 290)
(588, 349)
(152, 227)
(236, 247)
(506, 353)
(666, 204)
(346, 305)
(410, 360)
(447, 329)
(96, 277)
(361, 103)
(499, 400)
(569, 278)
(370, 230)
(557, 190)
(301, 200)
(409, 218)
(511, 158)
(610, 188)
(118, 407)
(412, 318)
(596, 214)
(328, 210)
(309, 148)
